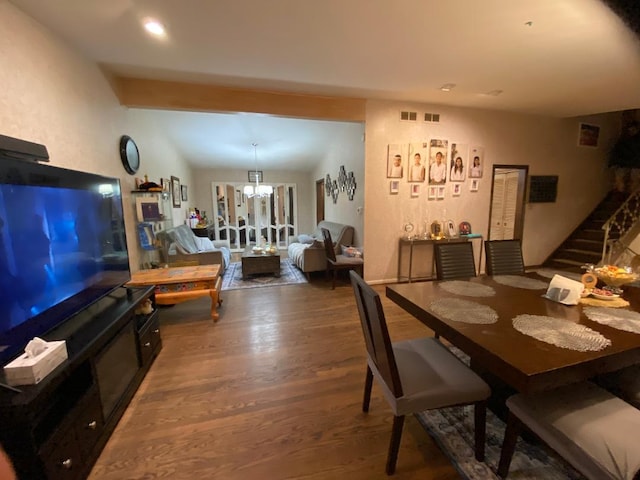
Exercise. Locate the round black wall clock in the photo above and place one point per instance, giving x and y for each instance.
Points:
(129, 154)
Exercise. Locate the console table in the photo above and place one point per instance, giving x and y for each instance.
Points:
(409, 244)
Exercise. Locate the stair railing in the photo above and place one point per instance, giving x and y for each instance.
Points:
(619, 224)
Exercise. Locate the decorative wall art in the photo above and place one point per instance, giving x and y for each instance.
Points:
(476, 161)
(588, 135)
(342, 179)
(417, 162)
(441, 191)
(455, 189)
(394, 187)
(458, 163)
(438, 161)
(335, 191)
(176, 192)
(415, 190)
(351, 186)
(327, 185)
(433, 192)
(183, 192)
(473, 186)
(396, 155)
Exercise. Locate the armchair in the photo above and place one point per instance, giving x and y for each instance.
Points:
(182, 246)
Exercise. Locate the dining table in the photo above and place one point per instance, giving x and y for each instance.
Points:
(502, 352)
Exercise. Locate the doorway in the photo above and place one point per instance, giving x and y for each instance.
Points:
(319, 200)
(508, 186)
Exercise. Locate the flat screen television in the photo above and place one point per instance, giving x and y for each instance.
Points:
(62, 247)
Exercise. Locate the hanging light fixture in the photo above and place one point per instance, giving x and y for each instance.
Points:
(257, 190)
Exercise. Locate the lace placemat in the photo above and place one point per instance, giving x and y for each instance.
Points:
(519, 281)
(613, 303)
(468, 289)
(465, 311)
(549, 273)
(626, 320)
(561, 333)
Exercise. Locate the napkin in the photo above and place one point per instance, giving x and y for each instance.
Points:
(35, 347)
(564, 290)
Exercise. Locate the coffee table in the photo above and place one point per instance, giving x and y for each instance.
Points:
(180, 284)
(253, 263)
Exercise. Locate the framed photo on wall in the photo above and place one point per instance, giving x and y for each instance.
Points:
(176, 192)
(588, 135)
(183, 193)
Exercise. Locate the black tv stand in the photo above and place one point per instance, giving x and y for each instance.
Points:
(57, 428)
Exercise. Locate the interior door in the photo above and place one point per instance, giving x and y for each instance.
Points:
(506, 219)
(319, 200)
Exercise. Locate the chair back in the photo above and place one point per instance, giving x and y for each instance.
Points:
(504, 257)
(376, 335)
(454, 260)
(328, 245)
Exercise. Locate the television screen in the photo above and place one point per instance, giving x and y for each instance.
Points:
(62, 247)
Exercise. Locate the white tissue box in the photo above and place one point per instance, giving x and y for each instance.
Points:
(29, 371)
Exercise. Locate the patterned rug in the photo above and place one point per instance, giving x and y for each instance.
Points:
(289, 275)
(452, 429)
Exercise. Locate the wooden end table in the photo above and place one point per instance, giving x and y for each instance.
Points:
(253, 263)
(180, 284)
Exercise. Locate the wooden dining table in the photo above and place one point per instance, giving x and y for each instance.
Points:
(519, 361)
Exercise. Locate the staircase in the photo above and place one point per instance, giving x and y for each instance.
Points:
(585, 244)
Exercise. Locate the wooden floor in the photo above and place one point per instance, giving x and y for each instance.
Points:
(272, 391)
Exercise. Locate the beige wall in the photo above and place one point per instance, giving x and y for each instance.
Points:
(547, 145)
(50, 94)
(347, 150)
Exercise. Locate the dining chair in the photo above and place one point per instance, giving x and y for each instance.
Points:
(415, 375)
(592, 429)
(339, 262)
(504, 257)
(624, 383)
(454, 260)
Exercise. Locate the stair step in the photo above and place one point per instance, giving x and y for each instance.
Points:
(597, 235)
(583, 256)
(583, 244)
(560, 264)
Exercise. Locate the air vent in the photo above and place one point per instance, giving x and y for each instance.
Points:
(432, 117)
(409, 116)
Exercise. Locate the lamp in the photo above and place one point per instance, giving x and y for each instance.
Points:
(258, 190)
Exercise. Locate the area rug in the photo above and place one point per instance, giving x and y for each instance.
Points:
(289, 275)
(452, 429)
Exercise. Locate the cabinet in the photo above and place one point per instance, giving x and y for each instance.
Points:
(57, 428)
(154, 214)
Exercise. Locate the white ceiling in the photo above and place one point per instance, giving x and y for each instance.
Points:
(574, 58)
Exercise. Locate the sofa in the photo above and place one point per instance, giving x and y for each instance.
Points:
(183, 247)
(307, 251)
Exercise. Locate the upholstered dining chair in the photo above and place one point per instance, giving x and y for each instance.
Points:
(339, 262)
(454, 260)
(590, 428)
(415, 375)
(504, 257)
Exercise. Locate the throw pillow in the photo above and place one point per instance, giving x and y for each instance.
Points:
(302, 238)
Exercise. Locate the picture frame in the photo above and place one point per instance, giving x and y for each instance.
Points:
(588, 135)
(451, 229)
(395, 160)
(433, 193)
(415, 190)
(441, 191)
(183, 193)
(176, 192)
(394, 187)
(476, 161)
(255, 176)
(473, 185)
(455, 189)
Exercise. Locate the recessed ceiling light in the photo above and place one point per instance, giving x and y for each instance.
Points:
(447, 87)
(494, 93)
(154, 27)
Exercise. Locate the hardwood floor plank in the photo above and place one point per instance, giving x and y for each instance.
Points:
(273, 390)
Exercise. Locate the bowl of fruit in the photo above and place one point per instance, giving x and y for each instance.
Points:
(614, 276)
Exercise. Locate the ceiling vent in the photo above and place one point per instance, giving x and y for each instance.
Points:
(409, 116)
(432, 117)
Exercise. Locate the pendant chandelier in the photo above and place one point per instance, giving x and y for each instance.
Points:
(257, 190)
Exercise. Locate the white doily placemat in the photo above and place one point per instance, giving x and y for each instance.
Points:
(626, 320)
(549, 273)
(468, 289)
(465, 311)
(519, 281)
(561, 333)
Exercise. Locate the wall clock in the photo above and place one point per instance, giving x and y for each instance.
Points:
(129, 154)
